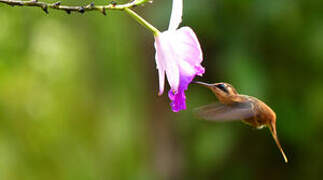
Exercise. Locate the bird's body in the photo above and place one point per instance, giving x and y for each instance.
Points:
(234, 106)
(263, 114)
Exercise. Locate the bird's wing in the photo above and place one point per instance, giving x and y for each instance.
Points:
(221, 112)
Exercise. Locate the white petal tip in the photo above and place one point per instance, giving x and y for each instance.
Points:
(160, 93)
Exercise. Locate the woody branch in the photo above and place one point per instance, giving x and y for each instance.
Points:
(81, 9)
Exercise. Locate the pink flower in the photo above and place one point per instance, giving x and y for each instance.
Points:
(179, 54)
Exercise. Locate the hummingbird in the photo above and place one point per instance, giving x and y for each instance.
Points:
(234, 106)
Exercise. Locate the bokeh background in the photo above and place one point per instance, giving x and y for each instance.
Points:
(78, 93)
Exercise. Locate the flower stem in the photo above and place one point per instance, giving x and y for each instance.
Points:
(142, 21)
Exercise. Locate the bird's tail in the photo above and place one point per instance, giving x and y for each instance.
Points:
(272, 128)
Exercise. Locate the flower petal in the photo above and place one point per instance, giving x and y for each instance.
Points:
(176, 16)
(188, 46)
(179, 54)
(166, 61)
(161, 75)
(178, 98)
(172, 73)
(189, 56)
(160, 59)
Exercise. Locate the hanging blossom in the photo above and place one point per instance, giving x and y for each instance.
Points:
(179, 55)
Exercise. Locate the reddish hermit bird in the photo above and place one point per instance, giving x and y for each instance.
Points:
(234, 106)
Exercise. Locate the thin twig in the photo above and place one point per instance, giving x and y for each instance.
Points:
(81, 9)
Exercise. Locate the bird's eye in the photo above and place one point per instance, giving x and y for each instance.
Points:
(222, 87)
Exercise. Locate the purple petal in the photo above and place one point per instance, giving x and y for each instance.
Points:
(178, 100)
(178, 97)
(178, 53)
(189, 56)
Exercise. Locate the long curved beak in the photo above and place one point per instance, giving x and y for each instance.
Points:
(203, 84)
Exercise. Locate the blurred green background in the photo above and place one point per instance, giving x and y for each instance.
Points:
(78, 93)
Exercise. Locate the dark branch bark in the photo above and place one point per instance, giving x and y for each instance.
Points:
(81, 9)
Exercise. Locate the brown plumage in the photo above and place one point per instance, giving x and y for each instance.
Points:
(234, 106)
